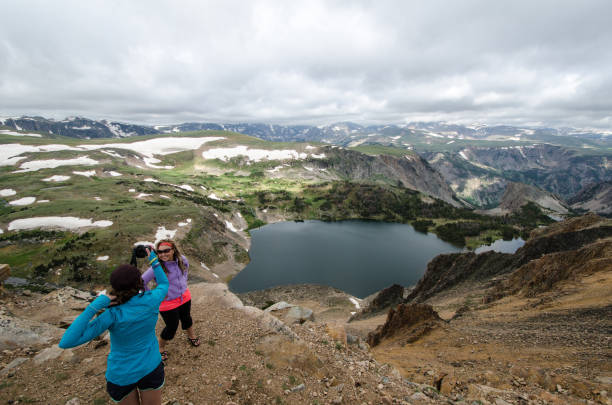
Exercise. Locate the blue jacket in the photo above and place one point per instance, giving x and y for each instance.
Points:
(134, 350)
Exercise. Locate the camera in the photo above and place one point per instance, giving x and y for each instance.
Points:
(140, 251)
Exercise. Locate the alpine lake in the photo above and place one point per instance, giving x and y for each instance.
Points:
(358, 257)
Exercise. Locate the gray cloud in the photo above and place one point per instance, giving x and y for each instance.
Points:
(309, 61)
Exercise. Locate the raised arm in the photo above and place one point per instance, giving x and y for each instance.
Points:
(147, 276)
(83, 330)
(161, 290)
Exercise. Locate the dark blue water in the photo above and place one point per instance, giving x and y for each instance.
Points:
(355, 256)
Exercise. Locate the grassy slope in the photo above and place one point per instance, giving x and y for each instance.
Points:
(33, 253)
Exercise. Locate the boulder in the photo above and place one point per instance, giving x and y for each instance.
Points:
(13, 364)
(299, 315)
(17, 332)
(279, 306)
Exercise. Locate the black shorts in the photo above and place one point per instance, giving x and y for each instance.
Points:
(152, 381)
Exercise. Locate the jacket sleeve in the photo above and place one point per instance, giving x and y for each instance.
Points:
(83, 329)
(147, 276)
(161, 290)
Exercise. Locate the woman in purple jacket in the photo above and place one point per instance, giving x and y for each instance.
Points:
(177, 304)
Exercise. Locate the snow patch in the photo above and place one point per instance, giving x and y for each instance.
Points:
(230, 226)
(274, 170)
(186, 187)
(88, 173)
(7, 132)
(213, 196)
(111, 153)
(7, 192)
(149, 161)
(102, 258)
(114, 174)
(35, 165)
(56, 222)
(56, 178)
(158, 146)
(187, 221)
(9, 153)
(355, 302)
(255, 155)
(163, 233)
(23, 201)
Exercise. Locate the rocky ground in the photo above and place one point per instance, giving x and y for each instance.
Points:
(246, 357)
(553, 348)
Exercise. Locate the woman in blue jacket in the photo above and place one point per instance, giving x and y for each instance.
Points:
(134, 368)
(177, 304)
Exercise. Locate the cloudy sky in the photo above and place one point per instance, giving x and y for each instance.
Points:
(531, 62)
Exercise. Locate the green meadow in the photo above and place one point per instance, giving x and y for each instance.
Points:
(240, 186)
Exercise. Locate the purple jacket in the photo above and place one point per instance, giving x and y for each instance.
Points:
(178, 280)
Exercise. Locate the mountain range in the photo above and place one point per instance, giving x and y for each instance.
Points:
(477, 162)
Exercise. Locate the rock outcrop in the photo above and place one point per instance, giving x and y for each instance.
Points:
(385, 299)
(595, 197)
(519, 194)
(410, 171)
(407, 322)
(541, 275)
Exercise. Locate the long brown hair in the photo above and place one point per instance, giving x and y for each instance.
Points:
(177, 255)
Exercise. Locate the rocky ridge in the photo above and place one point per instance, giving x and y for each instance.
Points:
(518, 194)
(537, 332)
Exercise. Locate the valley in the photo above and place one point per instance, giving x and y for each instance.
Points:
(207, 188)
(492, 327)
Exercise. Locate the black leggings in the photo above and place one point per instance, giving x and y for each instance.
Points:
(172, 317)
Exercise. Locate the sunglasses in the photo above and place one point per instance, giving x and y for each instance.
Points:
(164, 250)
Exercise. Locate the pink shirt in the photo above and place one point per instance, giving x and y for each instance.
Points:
(175, 303)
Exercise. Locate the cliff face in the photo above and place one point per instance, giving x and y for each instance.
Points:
(554, 169)
(479, 174)
(411, 171)
(519, 194)
(447, 271)
(596, 197)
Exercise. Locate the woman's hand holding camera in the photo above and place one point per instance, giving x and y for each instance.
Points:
(152, 255)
